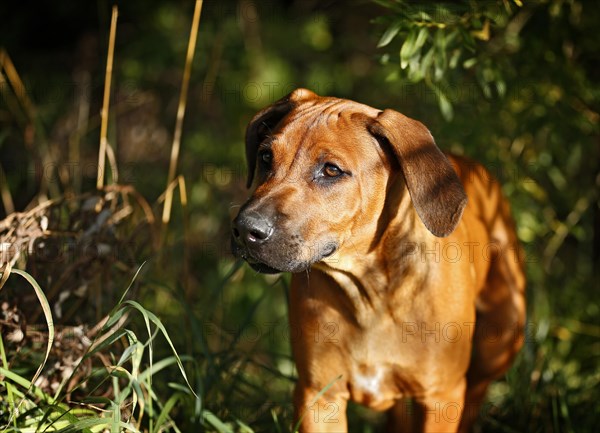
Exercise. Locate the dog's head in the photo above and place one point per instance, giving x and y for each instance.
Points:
(321, 168)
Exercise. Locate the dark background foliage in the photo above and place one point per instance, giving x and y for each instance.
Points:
(513, 85)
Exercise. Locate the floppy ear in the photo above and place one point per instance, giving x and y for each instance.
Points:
(263, 123)
(436, 192)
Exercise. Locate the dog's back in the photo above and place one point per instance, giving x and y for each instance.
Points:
(501, 301)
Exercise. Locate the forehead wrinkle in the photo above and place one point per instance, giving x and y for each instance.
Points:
(319, 109)
(305, 120)
(298, 149)
(313, 110)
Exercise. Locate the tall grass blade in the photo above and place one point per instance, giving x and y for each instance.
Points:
(106, 100)
(181, 109)
(149, 316)
(215, 422)
(47, 314)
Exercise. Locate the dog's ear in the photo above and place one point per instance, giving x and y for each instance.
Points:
(434, 187)
(265, 122)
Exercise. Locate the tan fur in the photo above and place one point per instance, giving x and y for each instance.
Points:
(392, 313)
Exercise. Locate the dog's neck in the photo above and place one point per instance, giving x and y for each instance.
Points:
(370, 278)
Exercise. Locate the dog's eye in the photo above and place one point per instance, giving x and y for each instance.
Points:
(332, 170)
(266, 157)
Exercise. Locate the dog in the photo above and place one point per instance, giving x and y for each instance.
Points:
(408, 288)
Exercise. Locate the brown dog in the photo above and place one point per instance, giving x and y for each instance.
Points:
(388, 279)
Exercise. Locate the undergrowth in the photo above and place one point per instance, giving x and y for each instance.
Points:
(93, 340)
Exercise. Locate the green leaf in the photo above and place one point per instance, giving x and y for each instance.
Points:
(164, 413)
(454, 59)
(438, 67)
(160, 365)
(445, 107)
(25, 383)
(414, 72)
(424, 16)
(450, 38)
(427, 61)
(408, 47)
(96, 400)
(151, 317)
(468, 41)
(106, 343)
(469, 63)
(421, 38)
(389, 35)
(47, 314)
(440, 39)
(215, 422)
(443, 102)
(116, 425)
(243, 428)
(392, 76)
(501, 88)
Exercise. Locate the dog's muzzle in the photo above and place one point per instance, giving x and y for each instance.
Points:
(249, 232)
(268, 248)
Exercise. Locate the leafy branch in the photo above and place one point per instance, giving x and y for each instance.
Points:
(435, 38)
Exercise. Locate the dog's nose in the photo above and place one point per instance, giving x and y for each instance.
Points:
(252, 229)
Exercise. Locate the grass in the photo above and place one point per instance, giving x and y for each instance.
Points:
(228, 387)
(29, 408)
(168, 358)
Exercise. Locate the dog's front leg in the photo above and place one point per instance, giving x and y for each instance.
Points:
(324, 413)
(442, 410)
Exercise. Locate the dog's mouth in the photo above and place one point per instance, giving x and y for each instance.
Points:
(258, 265)
(263, 268)
(274, 262)
(329, 250)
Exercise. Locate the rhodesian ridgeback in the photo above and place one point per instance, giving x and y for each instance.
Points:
(408, 286)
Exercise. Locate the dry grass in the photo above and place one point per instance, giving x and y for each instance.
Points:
(90, 378)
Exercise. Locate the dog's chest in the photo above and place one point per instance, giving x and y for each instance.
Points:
(379, 386)
(378, 372)
(372, 386)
